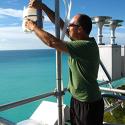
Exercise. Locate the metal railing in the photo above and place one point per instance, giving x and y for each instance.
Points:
(56, 94)
(28, 100)
(119, 91)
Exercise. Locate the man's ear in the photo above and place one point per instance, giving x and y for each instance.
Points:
(80, 29)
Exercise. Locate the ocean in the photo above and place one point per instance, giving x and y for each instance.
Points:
(28, 73)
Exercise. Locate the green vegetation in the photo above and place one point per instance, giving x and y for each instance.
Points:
(118, 114)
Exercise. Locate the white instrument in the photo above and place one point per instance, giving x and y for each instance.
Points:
(29, 13)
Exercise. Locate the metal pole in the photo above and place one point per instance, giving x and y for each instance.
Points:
(105, 70)
(28, 100)
(112, 37)
(25, 101)
(58, 64)
(100, 25)
(39, 17)
(112, 90)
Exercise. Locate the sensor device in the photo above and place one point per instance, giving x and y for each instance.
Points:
(29, 13)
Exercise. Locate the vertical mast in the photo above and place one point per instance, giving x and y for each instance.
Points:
(39, 17)
(58, 63)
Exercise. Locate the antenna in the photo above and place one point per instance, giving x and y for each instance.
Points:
(39, 17)
(113, 24)
(100, 21)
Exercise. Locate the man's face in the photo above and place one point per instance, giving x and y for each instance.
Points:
(73, 27)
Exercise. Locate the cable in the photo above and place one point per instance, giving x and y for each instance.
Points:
(67, 17)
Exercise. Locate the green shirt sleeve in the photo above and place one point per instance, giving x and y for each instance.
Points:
(76, 47)
(86, 50)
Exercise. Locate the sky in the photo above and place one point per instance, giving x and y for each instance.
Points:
(12, 36)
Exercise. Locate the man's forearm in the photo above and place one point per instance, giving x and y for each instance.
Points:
(50, 40)
(51, 14)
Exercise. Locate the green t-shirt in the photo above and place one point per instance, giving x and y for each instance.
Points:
(83, 69)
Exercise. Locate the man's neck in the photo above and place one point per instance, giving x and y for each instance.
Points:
(85, 37)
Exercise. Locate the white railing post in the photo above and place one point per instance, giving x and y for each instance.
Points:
(58, 65)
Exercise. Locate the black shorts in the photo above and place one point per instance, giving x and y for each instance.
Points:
(86, 113)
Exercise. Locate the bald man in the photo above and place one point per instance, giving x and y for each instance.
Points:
(86, 105)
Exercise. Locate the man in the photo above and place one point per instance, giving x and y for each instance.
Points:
(87, 106)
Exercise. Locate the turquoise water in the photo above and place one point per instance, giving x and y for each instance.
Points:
(25, 74)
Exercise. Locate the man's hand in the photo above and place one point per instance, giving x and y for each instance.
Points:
(35, 4)
(30, 25)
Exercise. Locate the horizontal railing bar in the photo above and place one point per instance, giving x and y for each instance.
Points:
(28, 100)
(25, 101)
(112, 90)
